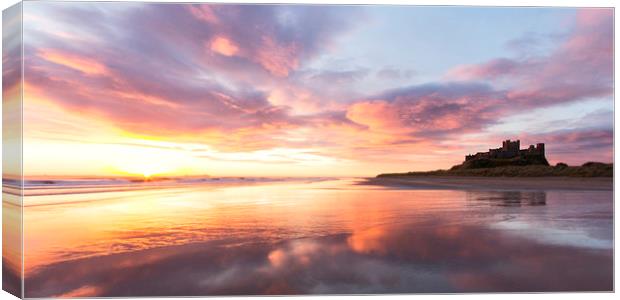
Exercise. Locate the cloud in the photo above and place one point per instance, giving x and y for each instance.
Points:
(204, 12)
(278, 38)
(336, 78)
(429, 110)
(180, 68)
(83, 64)
(390, 73)
(488, 70)
(240, 77)
(581, 67)
(156, 64)
(11, 49)
(224, 46)
(277, 59)
(573, 146)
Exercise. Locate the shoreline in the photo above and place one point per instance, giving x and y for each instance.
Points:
(494, 183)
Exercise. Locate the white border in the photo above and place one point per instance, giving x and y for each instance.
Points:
(556, 3)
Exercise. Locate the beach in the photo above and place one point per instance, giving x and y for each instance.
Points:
(495, 183)
(327, 236)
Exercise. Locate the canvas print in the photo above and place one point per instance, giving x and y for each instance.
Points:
(200, 149)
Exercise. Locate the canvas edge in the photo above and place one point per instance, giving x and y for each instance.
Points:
(12, 150)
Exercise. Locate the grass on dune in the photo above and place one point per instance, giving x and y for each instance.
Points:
(589, 169)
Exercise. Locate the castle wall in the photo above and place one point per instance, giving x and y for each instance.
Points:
(510, 149)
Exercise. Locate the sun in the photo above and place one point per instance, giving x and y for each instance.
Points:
(145, 162)
(146, 170)
(148, 174)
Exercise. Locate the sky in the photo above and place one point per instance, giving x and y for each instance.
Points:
(298, 90)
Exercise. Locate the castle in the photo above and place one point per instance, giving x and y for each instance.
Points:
(511, 149)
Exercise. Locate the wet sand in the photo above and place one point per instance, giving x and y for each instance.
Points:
(349, 239)
(497, 183)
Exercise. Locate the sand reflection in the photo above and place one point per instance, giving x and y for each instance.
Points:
(509, 198)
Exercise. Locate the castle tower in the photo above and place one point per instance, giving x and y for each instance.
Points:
(540, 147)
(510, 148)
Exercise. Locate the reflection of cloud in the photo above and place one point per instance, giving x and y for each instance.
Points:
(484, 260)
(11, 278)
(432, 243)
(297, 253)
(369, 241)
(423, 257)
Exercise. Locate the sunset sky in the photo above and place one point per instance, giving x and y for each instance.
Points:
(225, 90)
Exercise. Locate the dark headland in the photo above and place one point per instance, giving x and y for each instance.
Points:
(508, 167)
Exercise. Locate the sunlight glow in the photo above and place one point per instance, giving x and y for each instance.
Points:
(146, 162)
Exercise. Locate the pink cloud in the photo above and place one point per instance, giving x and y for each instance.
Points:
(575, 146)
(488, 70)
(223, 46)
(74, 61)
(579, 68)
(204, 12)
(279, 59)
(242, 87)
(134, 81)
(377, 115)
(259, 37)
(429, 110)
